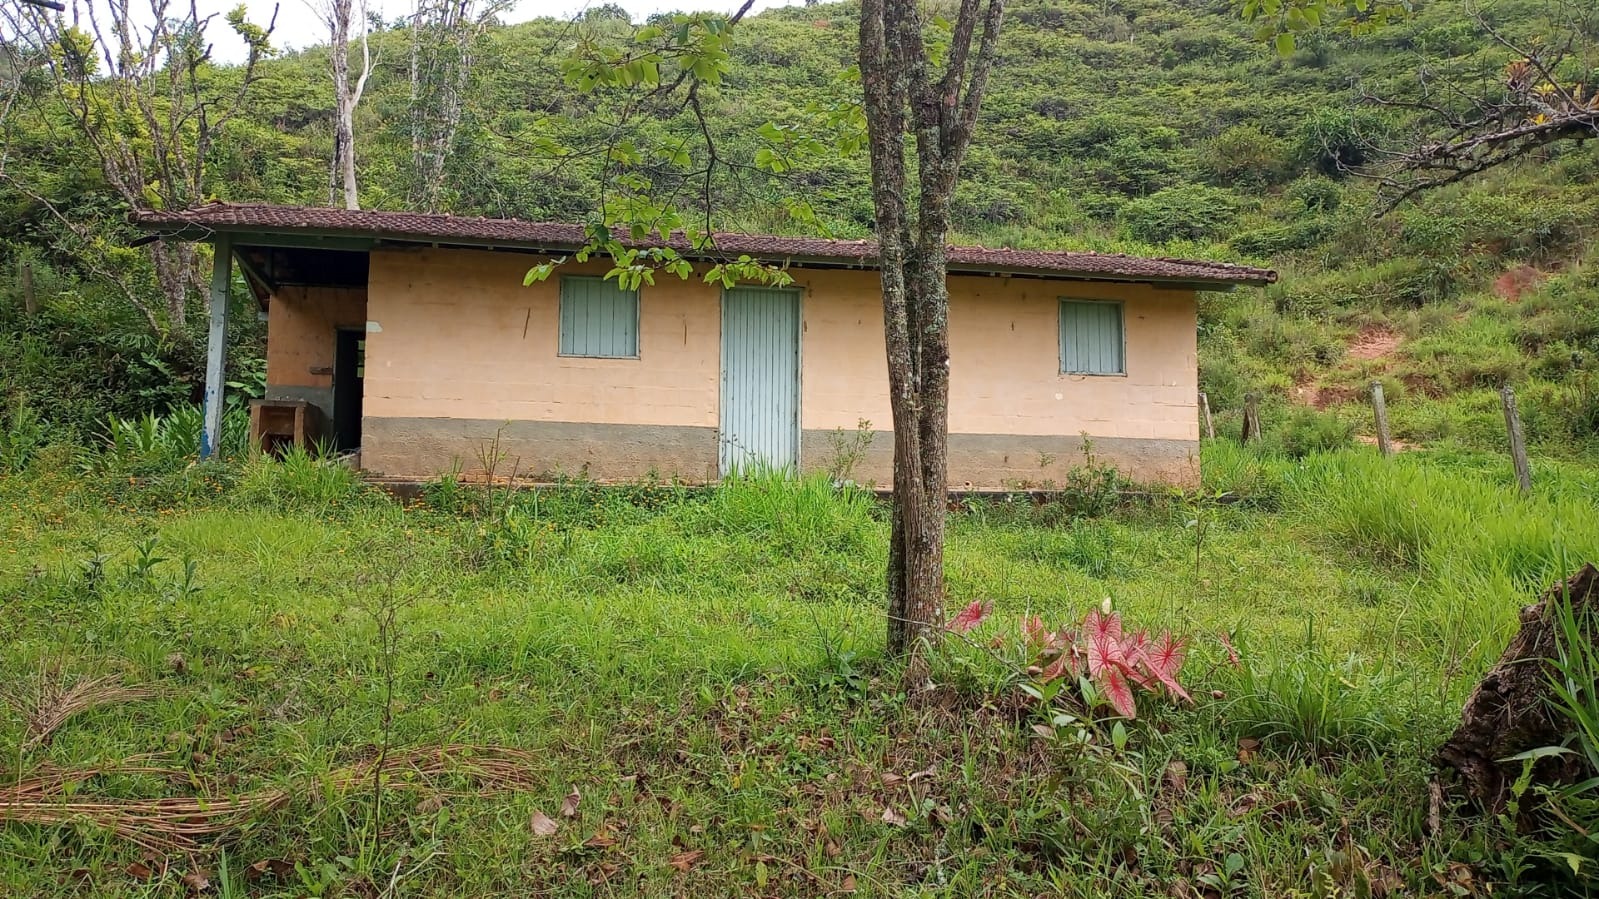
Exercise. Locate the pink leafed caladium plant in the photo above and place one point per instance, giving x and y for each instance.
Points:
(1117, 663)
(970, 617)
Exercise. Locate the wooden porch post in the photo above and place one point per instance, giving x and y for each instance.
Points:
(217, 345)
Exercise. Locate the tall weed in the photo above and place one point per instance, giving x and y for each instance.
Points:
(1316, 704)
(793, 514)
(299, 481)
(22, 434)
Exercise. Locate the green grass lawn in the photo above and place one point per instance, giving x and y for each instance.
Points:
(703, 670)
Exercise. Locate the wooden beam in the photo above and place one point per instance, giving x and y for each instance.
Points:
(250, 271)
(217, 345)
(303, 241)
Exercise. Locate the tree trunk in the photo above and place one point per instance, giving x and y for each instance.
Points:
(1509, 712)
(177, 271)
(443, 38)
(345, 96)
(902, 97)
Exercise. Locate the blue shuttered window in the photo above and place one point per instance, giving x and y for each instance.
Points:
(1091, 339)
(598, 318)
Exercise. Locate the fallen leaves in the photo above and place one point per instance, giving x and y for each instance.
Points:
(1175, 777)
(686, 859)
(197, 881)
(569, 804)
(542, 825)
(890, 816)
(277, 867)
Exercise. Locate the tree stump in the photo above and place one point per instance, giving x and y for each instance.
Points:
(1509, 712)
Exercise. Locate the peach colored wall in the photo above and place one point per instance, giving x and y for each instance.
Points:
(1005, 359)
(456, 335)
(462, 338)
(301, 325)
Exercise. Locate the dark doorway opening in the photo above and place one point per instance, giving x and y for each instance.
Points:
(349, 368)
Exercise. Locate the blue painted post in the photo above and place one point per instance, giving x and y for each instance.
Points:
(217, 345)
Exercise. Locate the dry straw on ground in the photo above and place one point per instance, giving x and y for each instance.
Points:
(54, 798)
(48, 701)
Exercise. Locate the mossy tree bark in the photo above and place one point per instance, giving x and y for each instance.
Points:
(904, 96)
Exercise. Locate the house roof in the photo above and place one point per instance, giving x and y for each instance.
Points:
(319, 223)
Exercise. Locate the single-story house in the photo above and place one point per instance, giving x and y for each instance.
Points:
(414, 337)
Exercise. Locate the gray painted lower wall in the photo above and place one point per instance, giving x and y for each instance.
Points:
(1008, 461)
(427, 447)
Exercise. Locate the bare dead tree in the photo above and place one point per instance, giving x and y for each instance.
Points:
(444, 40)
(339, 16)
(135, 83)
(905, 95)
(1463, 123)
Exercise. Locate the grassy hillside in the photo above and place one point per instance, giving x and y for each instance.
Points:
(1149, 127)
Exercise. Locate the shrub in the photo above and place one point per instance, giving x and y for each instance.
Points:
(1132, 167)
(299, 481)
(1244, 155)
(1306, 431)
(1274, 240)
(1310, 703)
(1315, 193)
(86, 354)
(1192, 212)
(21, 436)
(1102, 662)
(1334, 139)
(984, 202)
(153, 441)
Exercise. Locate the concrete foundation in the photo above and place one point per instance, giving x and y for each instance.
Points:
(545, 450)
(1010, 461)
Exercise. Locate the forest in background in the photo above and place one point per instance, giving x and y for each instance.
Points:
(1162, 128)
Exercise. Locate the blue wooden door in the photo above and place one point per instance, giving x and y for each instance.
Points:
(760, 378)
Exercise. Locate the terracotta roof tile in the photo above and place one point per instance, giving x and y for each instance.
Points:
(420, 227)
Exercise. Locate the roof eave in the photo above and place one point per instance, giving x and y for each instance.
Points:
(356, 240)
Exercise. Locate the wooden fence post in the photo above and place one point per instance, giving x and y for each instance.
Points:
(1379, 409)
(1251, 418)
(1518, 440)
(1204, 409)
(30, 300)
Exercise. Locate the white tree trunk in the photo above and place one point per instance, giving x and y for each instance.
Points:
(338, 15)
